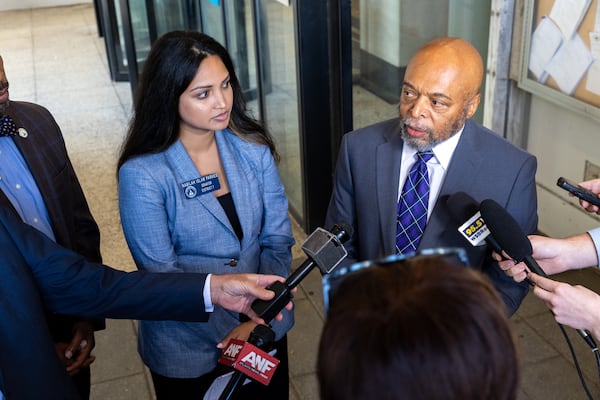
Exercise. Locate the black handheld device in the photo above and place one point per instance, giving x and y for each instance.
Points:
(578, 191)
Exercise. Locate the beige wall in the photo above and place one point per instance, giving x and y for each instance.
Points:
(23, 4)
(562, 140)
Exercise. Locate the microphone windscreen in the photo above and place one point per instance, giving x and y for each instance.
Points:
(506, 230)
(461, 207)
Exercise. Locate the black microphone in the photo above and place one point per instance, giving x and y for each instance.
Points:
(262, 337)
(509, 235)
(463, 208)
(324, 250)
(516, 244)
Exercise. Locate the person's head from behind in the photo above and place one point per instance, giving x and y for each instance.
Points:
(417, 329)
(188, 84)
(440, 91)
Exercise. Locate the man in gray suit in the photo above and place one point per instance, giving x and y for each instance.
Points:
(440, 93)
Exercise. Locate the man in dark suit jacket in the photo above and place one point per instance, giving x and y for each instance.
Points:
(38, 274)
(40, 143)
(440, 93)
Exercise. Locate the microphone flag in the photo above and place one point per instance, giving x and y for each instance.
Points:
(249, 360)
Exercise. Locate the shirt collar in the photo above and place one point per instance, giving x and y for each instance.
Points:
(442, 151)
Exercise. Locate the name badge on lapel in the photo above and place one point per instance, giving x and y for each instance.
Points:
(199, 186)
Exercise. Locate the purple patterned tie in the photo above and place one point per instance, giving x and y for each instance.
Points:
(412, 206)
(7, 126)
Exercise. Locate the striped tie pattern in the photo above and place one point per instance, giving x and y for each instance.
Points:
(412, 206)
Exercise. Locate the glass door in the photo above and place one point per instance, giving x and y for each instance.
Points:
(111, 22)
(280, 92)
(282, 53)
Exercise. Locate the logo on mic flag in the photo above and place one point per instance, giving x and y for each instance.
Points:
(475, 230)
(230, 353)
(250, 360)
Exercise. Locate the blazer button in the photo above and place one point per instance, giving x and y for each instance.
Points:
(233, 262)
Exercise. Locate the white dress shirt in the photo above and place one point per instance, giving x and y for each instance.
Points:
(436, 166)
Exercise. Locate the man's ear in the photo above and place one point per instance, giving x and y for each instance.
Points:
(473, 104)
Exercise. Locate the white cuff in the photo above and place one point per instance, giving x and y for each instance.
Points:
(595, 235)
(208, 304)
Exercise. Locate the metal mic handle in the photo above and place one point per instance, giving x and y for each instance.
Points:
(588, 339)
(233, 386)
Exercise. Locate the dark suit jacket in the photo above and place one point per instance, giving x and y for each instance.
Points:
(72, 222)
(36, 272)
(484, 165)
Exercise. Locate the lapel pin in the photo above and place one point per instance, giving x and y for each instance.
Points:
(23, 132)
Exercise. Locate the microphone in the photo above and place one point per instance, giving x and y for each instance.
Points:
(509, 235)
(516, 244)
(324, 250)
(465, 211)
(461, 206)
(249, 359)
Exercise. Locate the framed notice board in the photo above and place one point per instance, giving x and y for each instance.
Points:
(561, 43)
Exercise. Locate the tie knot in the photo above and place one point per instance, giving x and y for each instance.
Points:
(425, 155)
(7, 126)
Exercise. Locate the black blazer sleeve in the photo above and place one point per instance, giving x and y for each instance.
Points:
(36, 272)
(69, 284)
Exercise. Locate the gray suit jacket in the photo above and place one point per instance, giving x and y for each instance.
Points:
(484, 165)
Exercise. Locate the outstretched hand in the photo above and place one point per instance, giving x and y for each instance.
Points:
(574, 306)
(553, 255)
(594, 186)
(237, 292)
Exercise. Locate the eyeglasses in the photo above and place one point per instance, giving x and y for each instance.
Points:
(452, 255)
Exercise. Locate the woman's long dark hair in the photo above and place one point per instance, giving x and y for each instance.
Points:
(170, 67)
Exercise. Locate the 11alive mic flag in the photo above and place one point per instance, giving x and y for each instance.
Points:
(250, 360)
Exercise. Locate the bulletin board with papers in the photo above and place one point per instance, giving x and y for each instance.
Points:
(561, 46)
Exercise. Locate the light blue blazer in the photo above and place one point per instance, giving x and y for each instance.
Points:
(167, 231)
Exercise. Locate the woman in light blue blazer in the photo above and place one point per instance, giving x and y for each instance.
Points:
(199, 191)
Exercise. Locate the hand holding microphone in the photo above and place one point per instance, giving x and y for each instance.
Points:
(465, 212)
(555, 255)
(515, 243)
(509, 235)
(575, 306)
(325, 251)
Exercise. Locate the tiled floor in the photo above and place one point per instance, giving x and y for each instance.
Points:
(54, 57)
